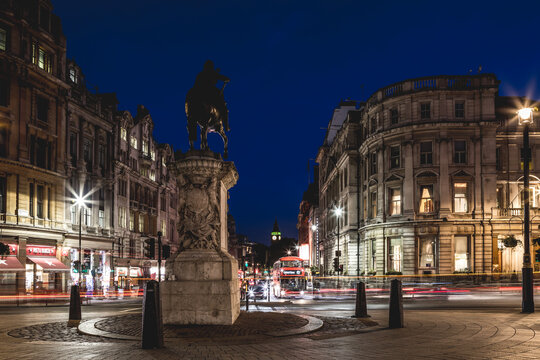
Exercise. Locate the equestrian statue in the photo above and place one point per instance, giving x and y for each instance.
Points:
(206, 106)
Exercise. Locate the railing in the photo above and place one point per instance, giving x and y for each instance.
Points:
(498, 213)
(425, 84)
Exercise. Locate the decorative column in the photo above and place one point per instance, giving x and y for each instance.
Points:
(201, 284)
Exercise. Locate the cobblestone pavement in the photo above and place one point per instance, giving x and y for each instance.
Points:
(464, 334)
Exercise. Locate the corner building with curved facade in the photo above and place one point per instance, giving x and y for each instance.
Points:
(429, 173)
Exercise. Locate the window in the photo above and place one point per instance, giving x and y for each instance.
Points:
(164, 227)
(459, 109)
(73, 148)
(122, 187)
(498, 163)
(132, 248)
(123, 134)
(426, 153)
(373, 121)
(373, 255)
(395, 156)
(87, 153)
(141, 223)
(373, 163)
(133, 142)
(42, 107)
(44, 18)
(88, 216)
(460, 197)
(163, 203)
(74, 217)
(394, 254)
(460, 152)
(373, 198)
(39, 202)
(41, 58)
(427, 252)
(3, 39)
(395, 201)
(31, 200)
(394, 116)
(101, 218)
(145, 147)
(425, 111)
(4, 92)
(3, 195)
(153, 155)
(152, 175)
(522, 154)
(461, 253)
(500, 197)
(101, 155)
(73, 75)
(122, 220)
(131, 221)
(49, 203)
(171, 230)
(426, 199)
(3, 142)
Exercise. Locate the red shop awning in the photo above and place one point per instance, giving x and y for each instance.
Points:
(48, 263)
(10, 263)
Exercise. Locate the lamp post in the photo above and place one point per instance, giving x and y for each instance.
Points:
(337, 213)
(75, 297)
(80, 202)
(525, 117)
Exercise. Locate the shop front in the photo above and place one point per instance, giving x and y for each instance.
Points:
(45, 274)
(10, 269)
(95, 270)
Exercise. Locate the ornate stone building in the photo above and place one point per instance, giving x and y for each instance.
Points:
(59, 140)
(438, 182)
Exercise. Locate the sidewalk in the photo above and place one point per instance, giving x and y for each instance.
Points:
(467, 334)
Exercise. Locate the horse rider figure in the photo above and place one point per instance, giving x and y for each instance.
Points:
(205, 86)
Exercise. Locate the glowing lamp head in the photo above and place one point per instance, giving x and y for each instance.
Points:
(525, 116)
(338, 211)
(313, 227)
(79, 201)
(288, 252)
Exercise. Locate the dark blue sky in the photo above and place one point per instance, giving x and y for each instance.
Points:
(290, 63)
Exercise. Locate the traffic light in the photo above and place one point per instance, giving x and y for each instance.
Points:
(341, 268)
(76, 266)
(166, 251)
(336, 264)
(150, 248)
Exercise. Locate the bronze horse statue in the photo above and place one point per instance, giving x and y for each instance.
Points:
(206, 107)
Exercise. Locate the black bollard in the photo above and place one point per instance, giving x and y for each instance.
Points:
(361, 303)
(396, 305)
(74, 306)
(247, 297)
(152, 324)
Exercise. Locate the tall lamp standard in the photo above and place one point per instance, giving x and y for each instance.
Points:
(80, 202)
(75, 297)
(525, 117)
(338, 212)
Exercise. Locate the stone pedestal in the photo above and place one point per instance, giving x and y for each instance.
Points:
(202, 278)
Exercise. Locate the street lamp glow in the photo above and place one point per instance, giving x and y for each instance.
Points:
(79, 201)
(338, 211)
(525, 115)
(288, 252)
(313, 227)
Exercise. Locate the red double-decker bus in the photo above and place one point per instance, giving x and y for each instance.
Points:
(289, 277)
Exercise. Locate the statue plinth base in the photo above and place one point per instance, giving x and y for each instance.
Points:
(202, 279)
(206, 291)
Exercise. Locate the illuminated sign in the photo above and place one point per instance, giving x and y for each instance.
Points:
(35, 250)
(292, 272)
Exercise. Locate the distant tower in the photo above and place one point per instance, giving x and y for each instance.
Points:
(276, 234)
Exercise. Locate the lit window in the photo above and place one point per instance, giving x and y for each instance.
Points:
(460, 152)
(395, 157)
(426, 153)
(152, 175)
(41, 58)
(163, 162)
(122, 217)
(131, 221)
(88, 216)
(459, 109)
(460, 197)
(123, 134)
(427, 252)
(426, 200)
(141, 223)
(153, 155)
(394, 254)
(145, 147)
(73, 75)
(3, 39)
(133, 142)
(164, 227)
(395, 201)
(461, 253)
(101, 218)
(425, 111)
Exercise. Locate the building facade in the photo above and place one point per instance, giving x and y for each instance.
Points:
(59, 141)
(438, 182)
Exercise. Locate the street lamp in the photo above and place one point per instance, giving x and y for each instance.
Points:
(80, 201)
(338, 212)
(525, 117)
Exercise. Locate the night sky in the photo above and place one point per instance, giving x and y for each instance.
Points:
(290, 63)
